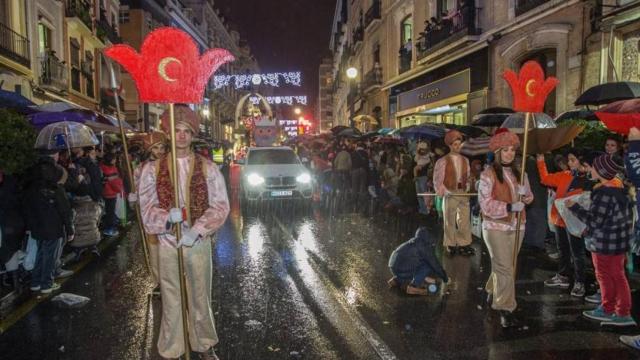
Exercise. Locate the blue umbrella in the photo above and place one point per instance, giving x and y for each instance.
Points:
(15, 101)
(427, 132)
(42, 119)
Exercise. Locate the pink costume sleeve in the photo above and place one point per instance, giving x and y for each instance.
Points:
(490, 207)
(154, 218)
(137, 172)
(528, 198)
(438, 177)
(215, 216)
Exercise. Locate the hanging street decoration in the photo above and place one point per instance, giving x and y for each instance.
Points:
(169, 68)
(277, 100)
(270, 79)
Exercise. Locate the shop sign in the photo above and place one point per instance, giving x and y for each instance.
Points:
(436, 91)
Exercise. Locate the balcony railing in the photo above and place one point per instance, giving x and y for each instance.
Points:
(79, 9)
(459, 23)
(14, 46)
(104, 30)
(372, 79)
(372, 14)
(522, 6)
(53, 72)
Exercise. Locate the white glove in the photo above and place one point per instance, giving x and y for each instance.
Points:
(188, 238)
(175, 216)
(522, 190)
(133, 198)
(517, 206)
(70, 238)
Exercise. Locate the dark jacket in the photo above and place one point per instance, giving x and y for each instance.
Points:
(418, 250)
(609, 221)
(47, 209)
(93, 174)
(359, 160)
(632, 165)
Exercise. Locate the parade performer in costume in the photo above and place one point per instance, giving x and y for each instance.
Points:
(498, 194)
(205, 207)
(155, 148)
(451, 177)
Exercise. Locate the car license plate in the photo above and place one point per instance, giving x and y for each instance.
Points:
(281, 193)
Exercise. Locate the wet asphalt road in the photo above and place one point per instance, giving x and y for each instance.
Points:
(296, 284)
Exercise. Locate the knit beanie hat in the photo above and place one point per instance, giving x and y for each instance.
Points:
(607, 166)
(503, 138)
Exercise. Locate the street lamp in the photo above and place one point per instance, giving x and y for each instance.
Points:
(352, 73)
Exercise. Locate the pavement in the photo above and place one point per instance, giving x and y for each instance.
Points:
(291, 283)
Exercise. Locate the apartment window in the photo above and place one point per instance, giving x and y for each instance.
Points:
(87, 73)
(444, 6)
(44, 39)
(74, 57)
(124, 15)
(406, 29)
(4, 12)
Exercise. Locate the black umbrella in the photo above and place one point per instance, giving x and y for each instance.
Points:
(336, 129)
(493, 116)
(609, 92)
(350, 132)
(581, 114)
(468, 131)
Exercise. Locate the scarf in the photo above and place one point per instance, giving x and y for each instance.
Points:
(197, 197)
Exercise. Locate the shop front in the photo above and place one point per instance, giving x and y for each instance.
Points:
(450, 94)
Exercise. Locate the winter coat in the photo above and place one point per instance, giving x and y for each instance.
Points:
(88, 213)
(113, 184)
(12, 221)
(609, 219)
(93, 175)
(342, 162)
(359, 159)
(417, 250)
(632, 164)
(45, 204)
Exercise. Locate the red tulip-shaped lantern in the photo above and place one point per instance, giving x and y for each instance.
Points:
(169, 68)
(529, 88)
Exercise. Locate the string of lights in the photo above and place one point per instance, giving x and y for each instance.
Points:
(277, 100)
(270, 79)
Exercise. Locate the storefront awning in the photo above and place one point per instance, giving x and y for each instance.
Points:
(366, 118)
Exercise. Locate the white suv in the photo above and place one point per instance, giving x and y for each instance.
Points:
(271, 173)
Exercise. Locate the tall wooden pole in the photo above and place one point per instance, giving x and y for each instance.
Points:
(178, 229)
(527, 119)
(125, 147)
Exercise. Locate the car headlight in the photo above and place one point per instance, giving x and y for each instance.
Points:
(304, 178)
(255, 179)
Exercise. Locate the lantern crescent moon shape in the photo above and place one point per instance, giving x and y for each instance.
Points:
(528, 88)
(162, 71)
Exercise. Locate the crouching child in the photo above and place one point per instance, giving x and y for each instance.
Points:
(414, 264)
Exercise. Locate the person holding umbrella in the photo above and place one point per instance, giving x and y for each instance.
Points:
(205, 207)
(498, 194)
(452, 179)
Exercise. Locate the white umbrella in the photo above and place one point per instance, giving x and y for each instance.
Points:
(65, 135)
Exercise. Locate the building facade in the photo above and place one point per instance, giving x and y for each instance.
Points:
(324, 107)
(442, 60)
(51, 50)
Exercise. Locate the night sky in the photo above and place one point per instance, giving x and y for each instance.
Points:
(285, 35)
